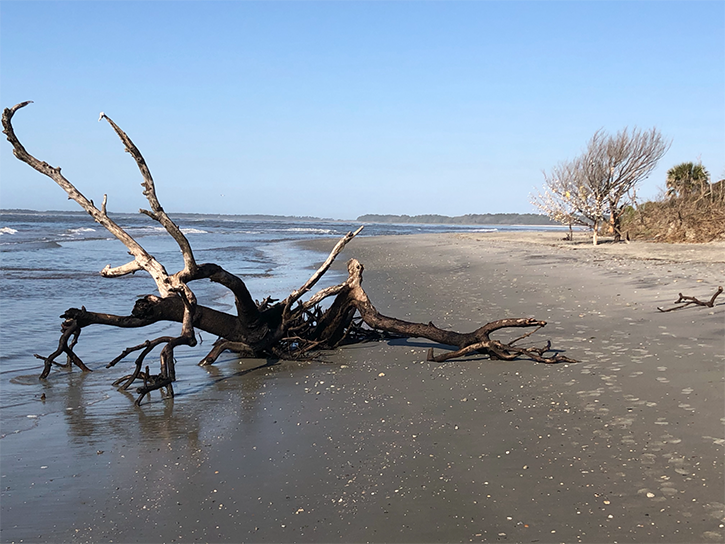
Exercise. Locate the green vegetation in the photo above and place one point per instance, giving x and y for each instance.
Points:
(691, 210)
(687, 179)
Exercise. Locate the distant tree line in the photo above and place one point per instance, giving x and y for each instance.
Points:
(469, 219)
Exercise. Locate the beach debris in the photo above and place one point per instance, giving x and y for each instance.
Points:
(685, 301)
(290, 328)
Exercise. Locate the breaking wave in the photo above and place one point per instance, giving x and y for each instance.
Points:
(308, 229)
(81, 229)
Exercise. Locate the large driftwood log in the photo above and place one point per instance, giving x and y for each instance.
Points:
(288, 329)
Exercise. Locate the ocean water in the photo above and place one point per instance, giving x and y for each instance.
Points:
(50, 261)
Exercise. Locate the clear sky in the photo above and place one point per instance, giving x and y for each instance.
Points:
(336, 109)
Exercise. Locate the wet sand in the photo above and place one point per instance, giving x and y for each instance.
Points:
(374, 444)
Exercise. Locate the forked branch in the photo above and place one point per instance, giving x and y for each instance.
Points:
(69, 329)
(478, 341)
(309, 284)
(142, 258)
(686, 301)
(157, 212)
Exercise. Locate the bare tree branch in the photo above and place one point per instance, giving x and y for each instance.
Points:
(143, 258)
(123, 270)
(309, 284)
(687, 301)
(157, 212)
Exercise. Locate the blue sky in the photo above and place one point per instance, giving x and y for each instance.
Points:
(336, 109)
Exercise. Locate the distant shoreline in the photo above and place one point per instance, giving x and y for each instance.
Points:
(509, 219)
(468, 219)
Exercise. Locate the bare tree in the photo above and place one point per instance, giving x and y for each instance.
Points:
(561, 198)
(570, 197)
(292, 328)
(602, 181)
(628, 158)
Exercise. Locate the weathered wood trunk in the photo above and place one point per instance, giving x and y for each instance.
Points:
(290, 328)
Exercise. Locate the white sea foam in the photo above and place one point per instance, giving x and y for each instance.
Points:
(308, 229)
(81, 229)
(7, 230)
(194, 231)
(145, 230)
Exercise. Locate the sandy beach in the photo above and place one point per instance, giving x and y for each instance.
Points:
(374, 444)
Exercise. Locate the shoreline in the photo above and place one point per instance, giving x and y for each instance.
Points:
(374, 444)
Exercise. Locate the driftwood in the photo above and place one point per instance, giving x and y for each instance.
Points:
(290, 329)
(685, 301)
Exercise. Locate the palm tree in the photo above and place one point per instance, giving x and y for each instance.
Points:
(687, 179)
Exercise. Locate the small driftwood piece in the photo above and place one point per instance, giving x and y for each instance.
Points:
(685, 301)
(289, 328)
